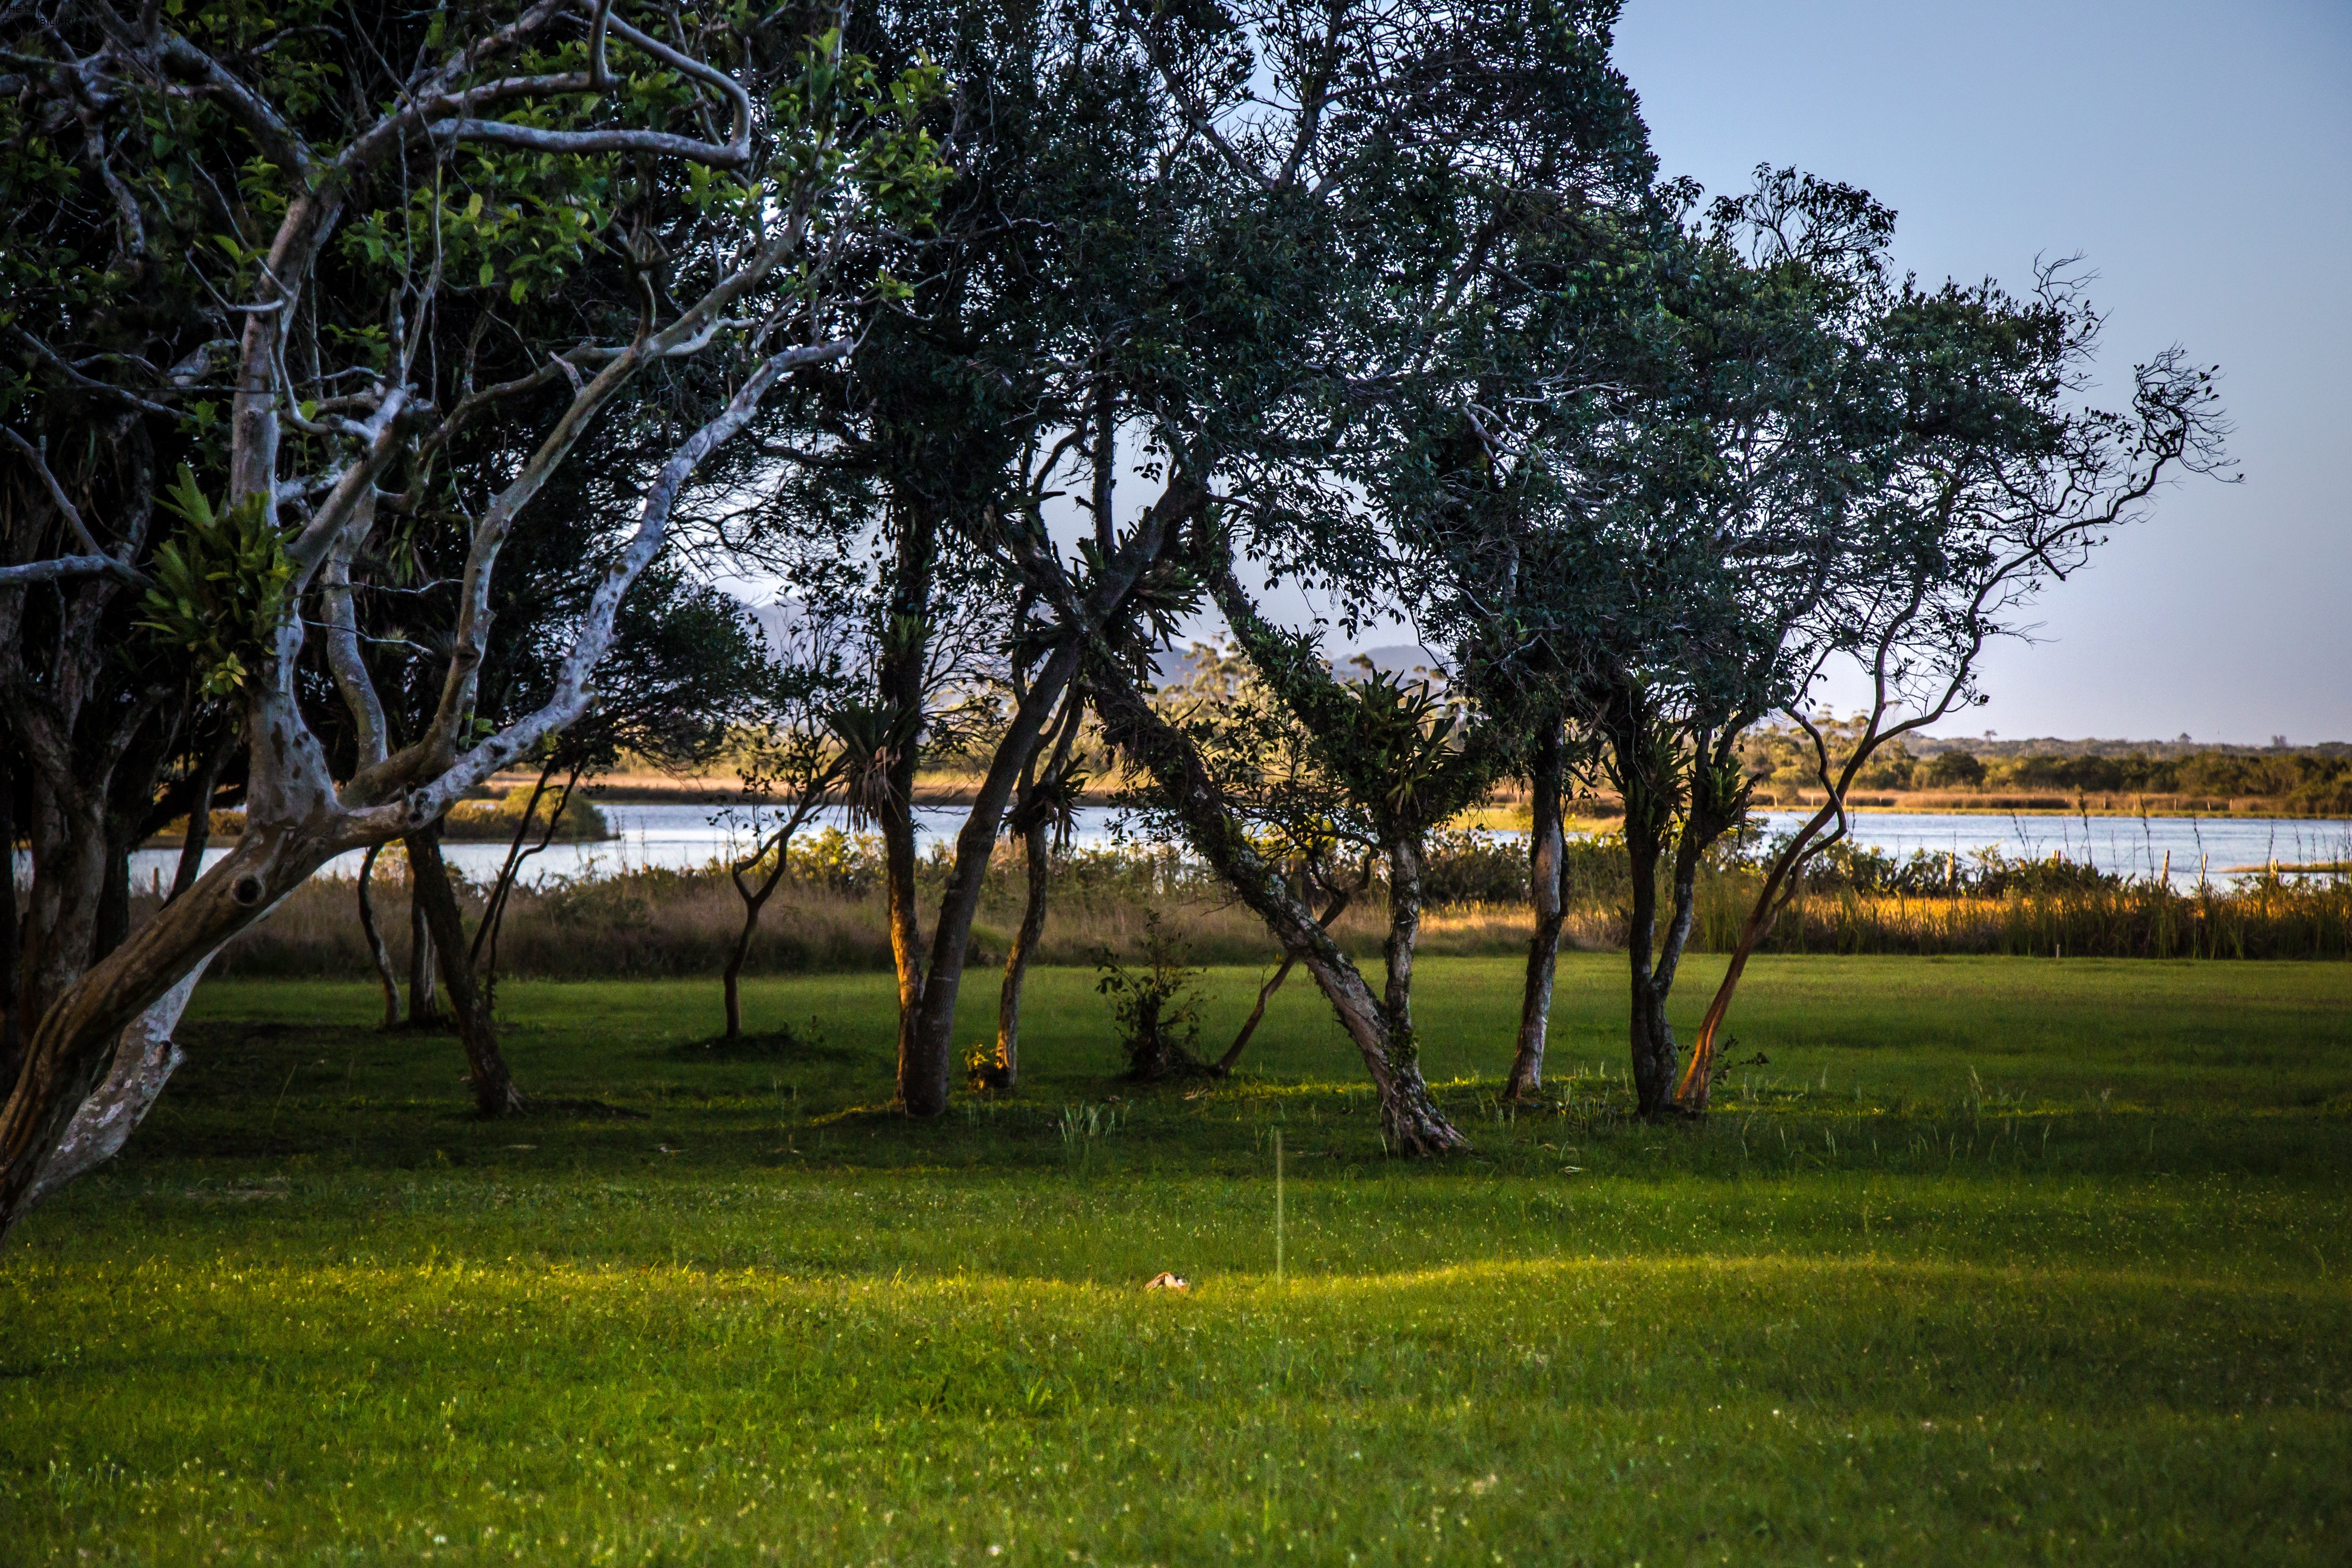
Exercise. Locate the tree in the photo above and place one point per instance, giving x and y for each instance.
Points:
(2004, 481)
(684, 667)
(1516, 293)
(1756, 466)
(331, 395)
(1008, 372)
(1270, 770)
(794, 762)
(1361, 155)
(1949, 770)
(1395, 755)
(1646, 493)
(1041, 817)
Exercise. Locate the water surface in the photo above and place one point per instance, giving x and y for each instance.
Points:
(687, 837)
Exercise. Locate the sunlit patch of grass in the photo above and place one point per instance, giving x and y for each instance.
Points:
(1990, 1261)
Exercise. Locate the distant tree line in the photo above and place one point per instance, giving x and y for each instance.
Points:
(2316, 780)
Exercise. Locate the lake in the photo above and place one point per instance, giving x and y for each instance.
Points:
(685, 837)
(2138, 846)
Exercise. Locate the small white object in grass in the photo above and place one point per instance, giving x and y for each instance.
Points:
(1167, 1281)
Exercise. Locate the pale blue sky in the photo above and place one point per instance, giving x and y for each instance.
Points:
(2200, 157)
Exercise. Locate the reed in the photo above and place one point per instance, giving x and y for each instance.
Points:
(2269, 919)
(829, 916)
(1861, 902)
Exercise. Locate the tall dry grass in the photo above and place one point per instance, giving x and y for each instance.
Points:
(2269, 917)
(829, 915)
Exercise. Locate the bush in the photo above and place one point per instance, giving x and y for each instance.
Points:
(1471, 867)
(1889, 768)
(1157, 1004)
(1952, 770)
(473, 821)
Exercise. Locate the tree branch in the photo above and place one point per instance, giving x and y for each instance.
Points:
(573, 689)
(70, 566)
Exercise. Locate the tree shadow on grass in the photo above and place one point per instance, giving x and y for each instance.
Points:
(778, 1045)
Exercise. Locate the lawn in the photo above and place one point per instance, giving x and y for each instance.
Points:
(1988, 1260)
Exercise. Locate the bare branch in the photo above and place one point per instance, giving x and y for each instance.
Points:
(284, 145)
(70, 566)
(343, 657)
(499, 133)
(573, 687)
(97, 562)
(693, 328)
(83, 383)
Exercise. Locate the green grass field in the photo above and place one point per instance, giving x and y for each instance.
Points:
(1993, 1261)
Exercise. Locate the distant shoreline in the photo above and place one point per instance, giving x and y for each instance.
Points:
(2234, 813)
(642, 790)
(1588, 815)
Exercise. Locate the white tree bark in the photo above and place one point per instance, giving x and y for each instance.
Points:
(101, 1047)
(144, 1060)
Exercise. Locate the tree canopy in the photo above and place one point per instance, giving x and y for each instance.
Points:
(385, 392)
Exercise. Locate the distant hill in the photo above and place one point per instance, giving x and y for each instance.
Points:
(1174, 665)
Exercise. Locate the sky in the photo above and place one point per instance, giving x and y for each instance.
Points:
(2200, 157)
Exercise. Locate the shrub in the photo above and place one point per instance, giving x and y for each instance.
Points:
(1157, 1004)
(476, 821)
(1953, 770)
(1473, 866)
(1889, 768)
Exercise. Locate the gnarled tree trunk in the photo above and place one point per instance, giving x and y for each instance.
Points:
(10, 953)
(71, 1048)
(923, 1078)
(1411, 1120)
(1036, 845)
(144, 1059)
(927, 1053)
(1404, 933)
(385, 975)
(69, 853)
(424, 1001)
(1652, 973)
(495, 1094)
(934, 1037)
(1038, 818)
(1548, 893)
(1655, 958)
(922, 1081)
